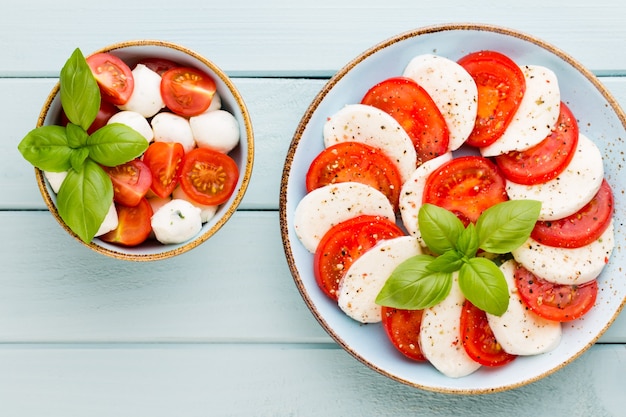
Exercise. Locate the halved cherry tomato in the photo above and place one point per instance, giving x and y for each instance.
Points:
(131, 182)
(355, 161)
(466, 186)
(582, 227)
(547, 159)
(416, 112)
(165, 161)
(556, 302)
(159, 65)
(501, 86)
(208, 177)
(403, 329)
(114, 77)
(478, 339)
(343, 243)
(134, 224)
(187, 91)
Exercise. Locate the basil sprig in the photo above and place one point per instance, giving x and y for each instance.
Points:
(425, 280)
(86, 194)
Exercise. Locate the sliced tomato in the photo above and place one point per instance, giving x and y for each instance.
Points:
(466, 186)
(547, 159)
(131, 182)
(134, 224)
(478, 338)
(165, 161)
(501, 86)
(159, 65)
(343, 243)
(208, 177)
(403, 329)
(114, 77)
(355, 161)
(187, 91)
(556, 302)
(416, 112)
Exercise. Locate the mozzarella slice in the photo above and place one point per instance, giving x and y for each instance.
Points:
(326, 206)
(440, 336)
(519, 330)
(567, 266)
(536, 116)
(365, 278)
(571, 190)
(374, 127)
(452, 89)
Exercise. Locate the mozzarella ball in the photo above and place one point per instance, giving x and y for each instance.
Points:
(217, 130)
(216, 103)
(207, 212)
(110, 221)
(146, 97)
(176, 222)
(135, 121)
(157, 202)
(170, 127)
(55, 179)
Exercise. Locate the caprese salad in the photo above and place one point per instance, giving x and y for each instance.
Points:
(465, 136)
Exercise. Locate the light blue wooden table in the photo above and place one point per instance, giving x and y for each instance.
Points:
(222, 330)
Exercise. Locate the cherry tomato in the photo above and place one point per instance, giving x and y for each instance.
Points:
(343, 243)
(416, 112)
(547, 159)
(355, 161)
(466, 186)
(208, 177)
(478, 339)
(403, 329)
(165, 161)
(104, 114)
(187, 91)
(134, 225)
(114, 77)
(501, 86)
(159, 65)
(131, 182)
(556, 302)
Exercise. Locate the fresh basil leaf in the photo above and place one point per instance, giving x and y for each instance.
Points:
(467, 244)
(80, 94)
(412, 286)
(440, 229)
(78, 158)
(506, 226)
(483, 283)
(448, 262)
(84, 199)
(46, 148)
(76, 136)
(115, 144)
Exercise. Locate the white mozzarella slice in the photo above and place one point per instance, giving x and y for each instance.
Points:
(536, 116)
(374, 127)
(571, 190)
(326, 206)
(452, 89)
(412, 193)
(564, 265)
(365, 278)
(519, 330)
(440, 336)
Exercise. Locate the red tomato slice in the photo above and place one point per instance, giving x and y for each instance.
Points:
(416, 112)
(159, 65)
(343, 243)
(187, 91)
(547, 159)
(355, 161)
(554, 301)
(131, 182)
(114, 77)
(501, 86)
(403, 329)
(466, 186)
(582, 227)
(208, 177)
(165, 161)
(134, 225)
(478, 339)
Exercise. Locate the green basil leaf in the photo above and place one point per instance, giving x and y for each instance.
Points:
(78, 157)
(413, 286)
(84, 199)
(440, 229)
(76, 136)
(115, 144)
(47, 148)
(80, 94)
(448, 262)
(483, 283)
(506, 226)
(467, 244)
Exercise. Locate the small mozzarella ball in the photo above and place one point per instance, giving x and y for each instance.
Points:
(55, 179)
(170, 127)
(135, 121)
(157, 202)
(146, 97)
(110, 221)
(176, 222)
(216, 103)
(207, 212)
(217, 130)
